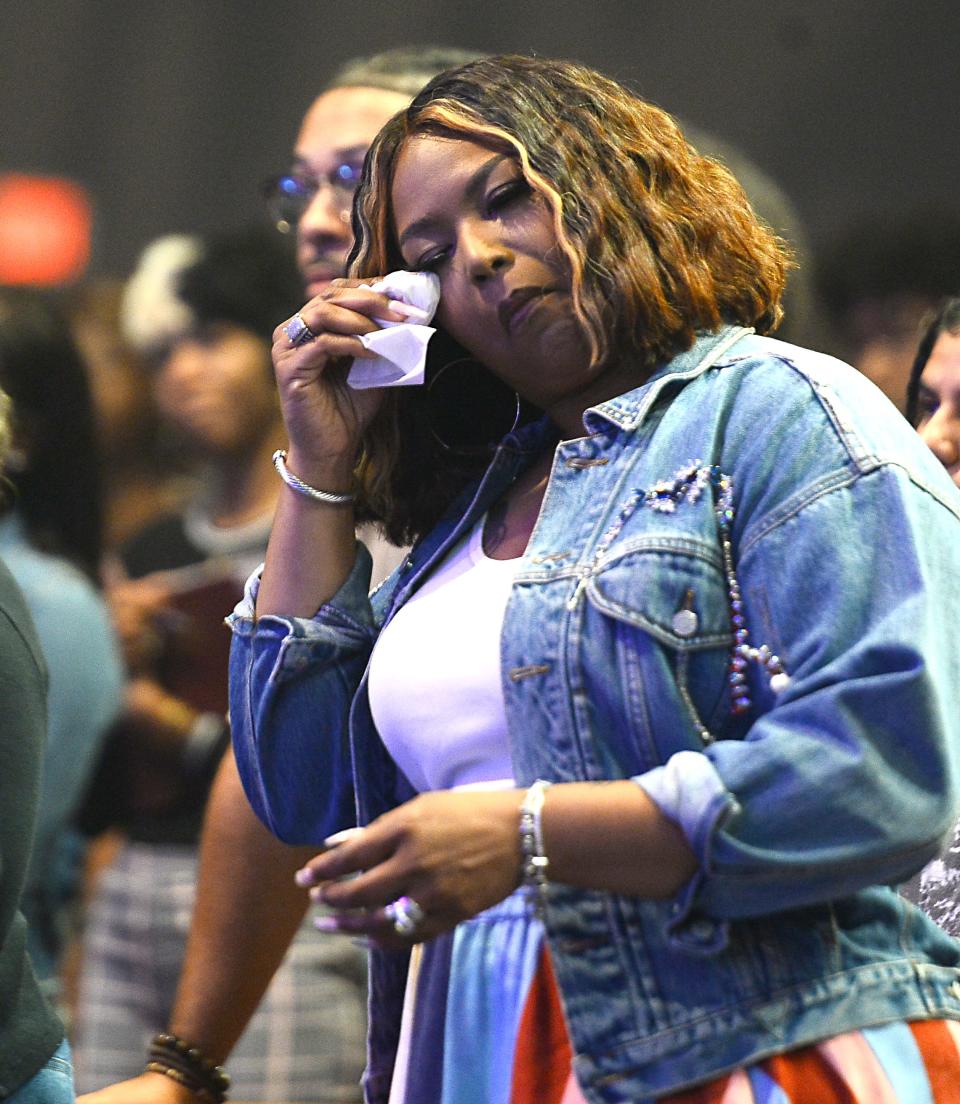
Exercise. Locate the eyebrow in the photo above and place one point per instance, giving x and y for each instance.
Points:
(472, 190)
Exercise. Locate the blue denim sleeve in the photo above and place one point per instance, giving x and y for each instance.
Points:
(292, 682)
(848, 777)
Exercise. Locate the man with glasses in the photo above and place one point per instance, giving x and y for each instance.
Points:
(248, 909)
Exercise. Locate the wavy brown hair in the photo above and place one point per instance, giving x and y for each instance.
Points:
(661, 241)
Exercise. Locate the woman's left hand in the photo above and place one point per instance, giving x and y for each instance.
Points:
(454, 853)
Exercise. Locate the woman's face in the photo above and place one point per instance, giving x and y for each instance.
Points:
(465, 212)
(939, 403)
(216, 387)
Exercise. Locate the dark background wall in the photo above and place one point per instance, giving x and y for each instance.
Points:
(171, 112)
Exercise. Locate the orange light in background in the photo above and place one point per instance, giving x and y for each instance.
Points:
(45, 227)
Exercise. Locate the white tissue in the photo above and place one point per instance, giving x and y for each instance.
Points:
(401, 346)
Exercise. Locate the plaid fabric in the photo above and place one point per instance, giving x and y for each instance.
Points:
(306, 1042)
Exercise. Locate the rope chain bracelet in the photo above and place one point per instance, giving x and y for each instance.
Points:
(186, 1064)
(533, 860)
(295, 483)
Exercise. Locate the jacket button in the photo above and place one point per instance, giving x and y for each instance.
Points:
(702, 930)
(685, 622)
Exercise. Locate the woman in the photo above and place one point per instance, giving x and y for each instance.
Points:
(35, 1065)
(933, 407)
(51, 542)
(933, 393)
(747, 720)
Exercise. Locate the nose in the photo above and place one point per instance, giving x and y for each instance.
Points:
(325, 218)
(483, 252)
(942, 435)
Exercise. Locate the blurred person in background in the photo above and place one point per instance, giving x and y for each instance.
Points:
(248, 909)
(141, 477)
(878, 281)
(933, 407)
(35, 1063)
(933, 395)
(51, 542)
(202, 310)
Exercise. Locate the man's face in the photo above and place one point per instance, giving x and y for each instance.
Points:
(336, 132)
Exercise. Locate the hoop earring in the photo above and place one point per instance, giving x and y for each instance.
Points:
(469, 410)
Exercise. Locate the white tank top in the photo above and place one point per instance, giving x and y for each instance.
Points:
(434, 682)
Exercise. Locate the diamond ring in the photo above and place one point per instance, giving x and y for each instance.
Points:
(298, 331)
(405, 914)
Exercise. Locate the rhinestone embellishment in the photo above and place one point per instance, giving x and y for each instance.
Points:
(687, 485)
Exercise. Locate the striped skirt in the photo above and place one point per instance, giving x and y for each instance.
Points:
(482, 1024)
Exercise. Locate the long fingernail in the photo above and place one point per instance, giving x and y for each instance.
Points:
(326, 923)
(304, 877)
(341, 837)
(415, 314)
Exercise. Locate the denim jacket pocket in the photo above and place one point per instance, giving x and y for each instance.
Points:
(673, 590)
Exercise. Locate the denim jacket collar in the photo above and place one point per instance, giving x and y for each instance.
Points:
(627, 411)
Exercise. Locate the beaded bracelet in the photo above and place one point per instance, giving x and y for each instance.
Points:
(533, 861)
(184, 1063)
(295, 483)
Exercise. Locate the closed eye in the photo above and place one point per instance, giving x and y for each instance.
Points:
(502, 196)
(431, 261)
(928, 402)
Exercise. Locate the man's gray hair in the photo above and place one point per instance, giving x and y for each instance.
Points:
(405, 70)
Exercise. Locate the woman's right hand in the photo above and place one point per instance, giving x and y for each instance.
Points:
(324, 417)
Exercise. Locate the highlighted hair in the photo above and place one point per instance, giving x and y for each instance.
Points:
(661, 241)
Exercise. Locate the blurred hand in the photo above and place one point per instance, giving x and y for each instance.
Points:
(163, 720)
(136, 606)
(148, 1088)
(454, 853)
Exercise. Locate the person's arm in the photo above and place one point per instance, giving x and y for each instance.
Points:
(312, 544)
(247, 912)
(458, 853)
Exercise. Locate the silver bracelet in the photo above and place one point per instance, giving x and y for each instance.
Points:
(533, 861)
(298, 485)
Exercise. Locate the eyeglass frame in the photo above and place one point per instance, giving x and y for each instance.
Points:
(343, 189)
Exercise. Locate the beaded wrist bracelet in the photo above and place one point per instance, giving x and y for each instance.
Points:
(533, 862)
(184, 1063)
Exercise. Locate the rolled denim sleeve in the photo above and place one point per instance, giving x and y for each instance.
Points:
(848, 777)
(292, 682)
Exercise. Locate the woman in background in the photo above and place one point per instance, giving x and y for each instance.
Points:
(142, 477)
(51, 542)
(933, 406)
(34, 1056)
(933, 394)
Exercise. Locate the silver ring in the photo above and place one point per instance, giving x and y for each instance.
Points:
(405, 914)
(298, 331)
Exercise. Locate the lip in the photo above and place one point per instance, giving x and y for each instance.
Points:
(319, 279)
(518, 304)
(317, 273)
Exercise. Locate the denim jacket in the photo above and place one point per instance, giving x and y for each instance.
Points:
(741, 592)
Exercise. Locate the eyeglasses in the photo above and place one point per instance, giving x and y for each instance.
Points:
(290, 194)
